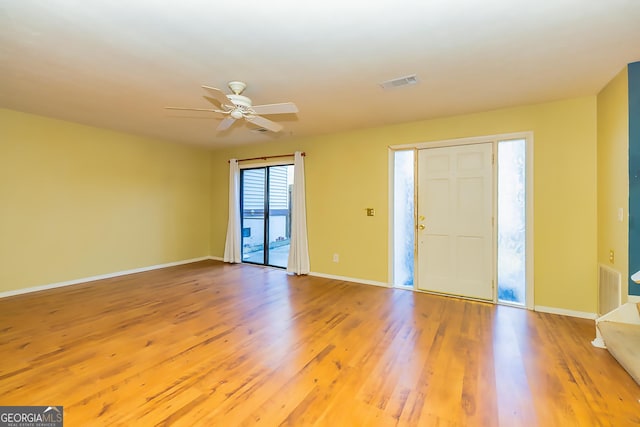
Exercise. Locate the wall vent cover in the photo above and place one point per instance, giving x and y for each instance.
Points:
(399, 82)
(609, 289)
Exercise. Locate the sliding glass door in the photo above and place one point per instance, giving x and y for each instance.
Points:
(265, 204)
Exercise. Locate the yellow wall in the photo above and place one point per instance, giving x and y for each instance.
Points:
(613, 174)
(77, 201)
(348, 172)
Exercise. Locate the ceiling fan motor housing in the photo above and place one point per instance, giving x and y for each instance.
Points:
(240, 101)
(242, 105)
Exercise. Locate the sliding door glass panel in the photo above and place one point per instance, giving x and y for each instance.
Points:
(511, 222)
(253, 182)
(403, 218)
(266, 214)
(279, 223)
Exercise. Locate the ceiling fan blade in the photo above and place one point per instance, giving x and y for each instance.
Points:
(265, 123)
(218, 95)
(282, 108)
(217, 103)
(225, 124)
(211, 110)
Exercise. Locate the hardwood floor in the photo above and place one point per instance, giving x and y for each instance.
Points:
(209, 344)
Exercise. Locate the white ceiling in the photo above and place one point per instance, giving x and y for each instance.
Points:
(117, 63)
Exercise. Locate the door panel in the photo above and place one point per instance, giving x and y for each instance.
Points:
(437, 213)
(279, 215)
(469, 197)
(455, 207)
(253, 197)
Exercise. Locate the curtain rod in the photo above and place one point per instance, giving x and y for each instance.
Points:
(269, 157)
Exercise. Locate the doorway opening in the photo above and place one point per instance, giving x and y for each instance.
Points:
(265, 206)
(508, 207)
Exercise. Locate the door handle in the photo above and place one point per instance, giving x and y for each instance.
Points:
(421, 227)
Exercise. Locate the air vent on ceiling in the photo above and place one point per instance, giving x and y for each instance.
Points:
(401, 81)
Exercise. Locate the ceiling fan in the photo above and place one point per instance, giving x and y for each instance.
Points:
(236, 106)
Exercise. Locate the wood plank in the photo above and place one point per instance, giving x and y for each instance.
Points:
(210, 344)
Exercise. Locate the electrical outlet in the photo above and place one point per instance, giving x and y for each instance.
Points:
(611, 256)
(336, 258)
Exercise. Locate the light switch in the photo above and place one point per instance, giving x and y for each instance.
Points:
(620, 214)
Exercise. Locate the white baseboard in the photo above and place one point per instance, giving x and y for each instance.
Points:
(565, 312)
(100, 277)
(350, 279)
(543, 309)
(634, 299)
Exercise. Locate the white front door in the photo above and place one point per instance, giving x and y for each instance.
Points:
(455, 210)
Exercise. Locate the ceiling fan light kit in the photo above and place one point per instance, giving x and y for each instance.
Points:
(236, 114)
(237, 106)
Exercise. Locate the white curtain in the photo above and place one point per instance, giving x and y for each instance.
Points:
(232, 245)
(298, 262)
